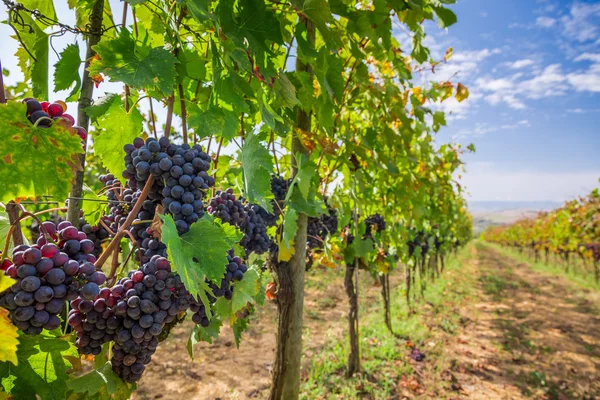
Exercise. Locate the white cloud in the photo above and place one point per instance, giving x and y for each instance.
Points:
(521, 63)
(545, 22)
(583, 111)
(486, 181)
(582, 22)
(586, 80)
(482, 129)
(589, 57)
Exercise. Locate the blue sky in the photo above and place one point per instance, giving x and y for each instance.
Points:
(533, 70)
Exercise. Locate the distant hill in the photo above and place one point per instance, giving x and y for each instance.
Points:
(486, 213)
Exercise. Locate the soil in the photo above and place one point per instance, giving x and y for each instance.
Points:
(524, 334)
(220, 371)
(530, 335)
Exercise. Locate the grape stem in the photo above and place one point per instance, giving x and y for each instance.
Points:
(42, 119)
(184, 131)
(114, 244)
(170, 103)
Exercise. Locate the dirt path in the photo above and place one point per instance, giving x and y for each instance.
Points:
(531, 335)
(220, 371)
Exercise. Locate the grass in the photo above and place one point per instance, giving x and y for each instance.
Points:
(385, 358)
(584, 281)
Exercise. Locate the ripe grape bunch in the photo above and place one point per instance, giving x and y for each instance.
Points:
(44, 114)
(180, 172)
(319, 228)
(96, 234)
(374, 223)
(133, 314)
(232, 210)
(235, 271)
(47, 275)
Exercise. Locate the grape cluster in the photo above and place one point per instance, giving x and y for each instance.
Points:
(228, 208)
(244, 216)
(47, 275)
(235, 271)
(279, 188)
(319, 228)
(96, 234)
(255, 238)
(180, 172)
(120, 200)
(44, 114)
(374, 223)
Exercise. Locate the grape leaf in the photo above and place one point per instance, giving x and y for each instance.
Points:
(67, 69)
(238, 327)
(286, 91)
(45, 7)
(8, 333)
(200, 253)
(116, 128)
(199, 10)
(256, 167)
(92, 206)
(319, 13)
(141, 67)
(307, 172)
(245, 290)
(250, 20)
(41, 370)
(215, 121)
(101, 106)
(290, 227)
(362, 247)
(202, 334)
(34, 161)
(446, 17)
(462, 93)
(4, 227)
(99, 380)
(439, 119)
(34, 60)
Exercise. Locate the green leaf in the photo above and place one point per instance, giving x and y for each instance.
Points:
(215, 121)
(305, 177)
(202, 334)
(141, 67)
(286, 91)
(45, 7)
(319, 12)
(199, 10)
(257, 166)
(250, 20)
(4, 227)
(116, 128)
(362, 247)
(101, 380)
(34, 60)
(290, 228)
(93, 206)
(446, 17)
(238, 327)
(245, 290)
(439, 119)
(200, 253)
(66, 70)
(41, 369)
(101, 106)
(34, 161)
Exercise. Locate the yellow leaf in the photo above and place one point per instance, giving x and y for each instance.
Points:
(9, 342)
(448, 54)
(461, 92)
(285, 254)
(5, 282)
